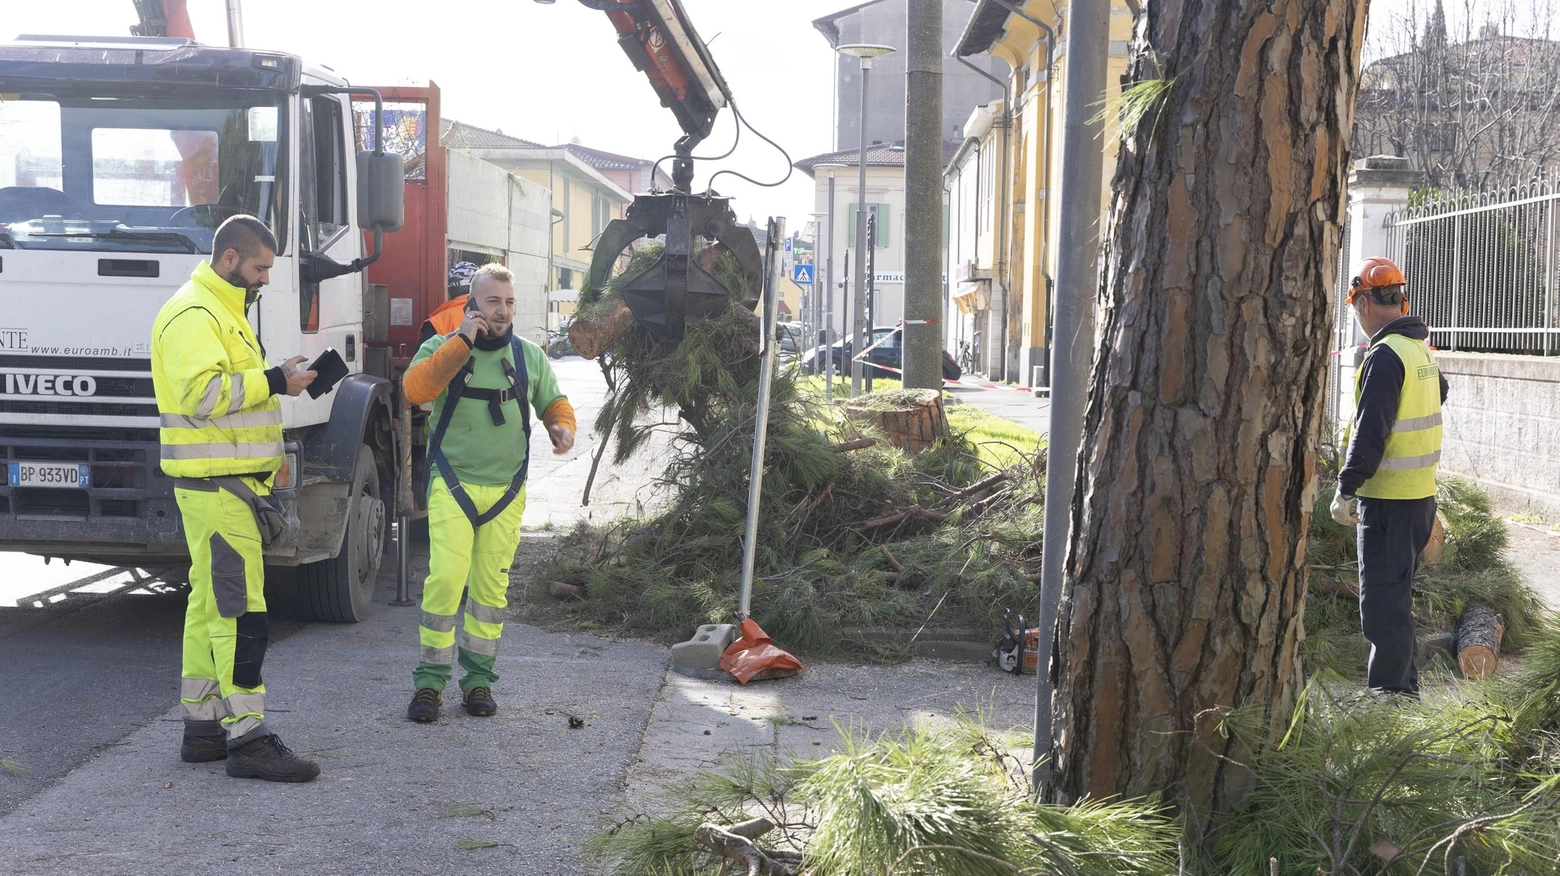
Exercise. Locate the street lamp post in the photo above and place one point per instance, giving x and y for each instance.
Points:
(815, 296)
(862, 331)
(828, 299)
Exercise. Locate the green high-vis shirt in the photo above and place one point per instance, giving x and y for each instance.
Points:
(479, 451)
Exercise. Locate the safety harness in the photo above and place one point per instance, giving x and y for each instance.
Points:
(519, 384)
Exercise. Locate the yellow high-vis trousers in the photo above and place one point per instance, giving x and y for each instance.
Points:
(226, 629)
(476, 560)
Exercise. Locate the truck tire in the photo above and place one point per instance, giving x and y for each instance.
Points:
(340, 589)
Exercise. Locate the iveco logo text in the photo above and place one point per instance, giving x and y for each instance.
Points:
(49, 384)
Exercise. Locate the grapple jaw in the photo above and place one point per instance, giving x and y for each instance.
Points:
(675, 291)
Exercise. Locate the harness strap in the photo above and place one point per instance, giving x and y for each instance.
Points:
(519, 385)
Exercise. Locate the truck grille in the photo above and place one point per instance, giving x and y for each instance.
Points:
(72, 392)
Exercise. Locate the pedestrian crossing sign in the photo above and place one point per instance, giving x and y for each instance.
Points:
(802, 274)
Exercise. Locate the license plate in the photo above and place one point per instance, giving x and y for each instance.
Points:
(50, 474)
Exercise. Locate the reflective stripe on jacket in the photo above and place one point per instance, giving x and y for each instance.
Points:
(218, 415)
(1413, 449)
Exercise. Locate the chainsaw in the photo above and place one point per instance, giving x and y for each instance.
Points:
(1018, 651)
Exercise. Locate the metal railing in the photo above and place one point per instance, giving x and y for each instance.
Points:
(1481, 267)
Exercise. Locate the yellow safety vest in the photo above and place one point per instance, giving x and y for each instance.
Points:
(218, 416)
(1413, 450)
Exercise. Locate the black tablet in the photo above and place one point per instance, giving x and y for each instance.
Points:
(328, 370)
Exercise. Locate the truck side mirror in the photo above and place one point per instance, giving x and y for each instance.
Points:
(381, 194)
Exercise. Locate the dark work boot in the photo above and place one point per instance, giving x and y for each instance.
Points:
(267, 758)
(424, 708)
(479, 701)
(204, 742)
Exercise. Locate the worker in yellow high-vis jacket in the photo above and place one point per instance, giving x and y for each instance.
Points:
(484, 382)
(221, 434)
(1386, 487)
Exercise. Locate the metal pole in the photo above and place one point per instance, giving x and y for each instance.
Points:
(235, 23)
(828, 306)
(404, 503)
(761, 424)
(1547, 275)
(871, 296)
(1457, 259)
(922, 338)
(1088, 50)
(857, 372)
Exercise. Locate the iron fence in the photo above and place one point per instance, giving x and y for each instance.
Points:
(1481, 267)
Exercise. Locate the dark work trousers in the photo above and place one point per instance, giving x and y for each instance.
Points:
(1392, 532)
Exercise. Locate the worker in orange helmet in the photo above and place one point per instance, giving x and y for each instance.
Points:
(448, 316)
(1386, 488)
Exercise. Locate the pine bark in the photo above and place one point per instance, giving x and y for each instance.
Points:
(1186, 571)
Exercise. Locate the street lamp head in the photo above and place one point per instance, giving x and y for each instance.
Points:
(865, 51)
(830, 166)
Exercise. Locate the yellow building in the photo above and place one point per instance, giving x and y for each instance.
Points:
(584, 199)
(1019, 162)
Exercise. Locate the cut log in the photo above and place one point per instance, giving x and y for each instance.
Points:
(595, 335)
(913, 419)
(1431, 555)
(1478, 640)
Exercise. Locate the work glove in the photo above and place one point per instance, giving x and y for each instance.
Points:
(1346, 510)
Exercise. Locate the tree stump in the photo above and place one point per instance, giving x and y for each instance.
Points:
(913, 419)
(1478, 640)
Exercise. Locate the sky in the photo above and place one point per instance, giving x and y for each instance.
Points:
(548, 73)
(552, 73)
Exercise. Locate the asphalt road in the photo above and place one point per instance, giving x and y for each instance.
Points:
(91, 653)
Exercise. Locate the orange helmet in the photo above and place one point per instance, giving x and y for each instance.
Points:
(1383, 279)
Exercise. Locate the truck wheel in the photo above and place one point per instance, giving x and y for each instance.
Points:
(339, 590)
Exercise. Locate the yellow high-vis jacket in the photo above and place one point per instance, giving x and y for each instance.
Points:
(218, 415)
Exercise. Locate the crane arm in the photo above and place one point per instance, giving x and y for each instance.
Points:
(661, 43)
(162, 18)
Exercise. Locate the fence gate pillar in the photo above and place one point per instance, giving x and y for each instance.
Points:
(1378, 186)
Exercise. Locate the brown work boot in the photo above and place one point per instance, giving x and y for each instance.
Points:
(267, 758)
(424, 708)
(479, 702)
(204, 742)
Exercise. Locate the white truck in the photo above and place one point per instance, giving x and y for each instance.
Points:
(118, 159)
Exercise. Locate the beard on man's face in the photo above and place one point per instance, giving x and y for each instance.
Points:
(238, 279)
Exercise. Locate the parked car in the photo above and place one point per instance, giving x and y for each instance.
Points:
(791, 337)
(889, 352)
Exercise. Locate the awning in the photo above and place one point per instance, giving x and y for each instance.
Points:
(564, 295)
(972, 295)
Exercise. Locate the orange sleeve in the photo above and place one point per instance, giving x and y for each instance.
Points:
(559, 413)
(426, 379)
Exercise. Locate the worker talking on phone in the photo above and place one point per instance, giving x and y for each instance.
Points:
(484, 382)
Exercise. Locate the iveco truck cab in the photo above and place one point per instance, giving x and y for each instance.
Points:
(119, 157)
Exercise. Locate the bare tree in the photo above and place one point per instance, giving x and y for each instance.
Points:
(1473, 112)
(1186, 570)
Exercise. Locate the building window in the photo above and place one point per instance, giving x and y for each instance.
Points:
(880, 223)
(986, 185)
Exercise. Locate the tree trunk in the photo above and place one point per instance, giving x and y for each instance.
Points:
(592, 336)
(1478, 640)
(1186, 570)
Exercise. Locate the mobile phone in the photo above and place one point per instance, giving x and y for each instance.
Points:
(329, 369)
(471, 304)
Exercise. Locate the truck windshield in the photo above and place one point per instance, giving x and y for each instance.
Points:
(116, 173)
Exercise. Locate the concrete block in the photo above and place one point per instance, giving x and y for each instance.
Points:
(704, 649)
